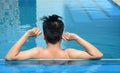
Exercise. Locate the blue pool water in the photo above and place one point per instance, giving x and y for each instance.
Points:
(95, 20)
(78, 66)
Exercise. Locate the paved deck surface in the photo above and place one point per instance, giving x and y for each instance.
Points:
(117, 2)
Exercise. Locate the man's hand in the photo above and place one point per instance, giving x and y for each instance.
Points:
(69, 36)
(33, 32)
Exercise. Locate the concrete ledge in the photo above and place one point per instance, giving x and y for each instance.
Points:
(117, 2)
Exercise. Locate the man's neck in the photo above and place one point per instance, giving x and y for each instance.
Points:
(52, 46)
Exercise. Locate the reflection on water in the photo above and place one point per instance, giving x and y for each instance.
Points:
(39, 62)
(67, 66)
(11, 23)
(59, 62)
(9, 15)
(9, 12)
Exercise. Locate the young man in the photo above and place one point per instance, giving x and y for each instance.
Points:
(53, 34)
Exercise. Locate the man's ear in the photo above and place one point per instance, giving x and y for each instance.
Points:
(62, 35)
(44, 37)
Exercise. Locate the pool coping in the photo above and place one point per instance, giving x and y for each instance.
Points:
(117, 2)
(70, 59)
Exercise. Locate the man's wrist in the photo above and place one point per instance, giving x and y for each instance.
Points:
(27, 35)
(77, 37)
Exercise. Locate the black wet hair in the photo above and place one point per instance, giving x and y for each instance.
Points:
(53, 28)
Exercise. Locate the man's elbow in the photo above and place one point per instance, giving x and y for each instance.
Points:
(9, 58)
(98, 56)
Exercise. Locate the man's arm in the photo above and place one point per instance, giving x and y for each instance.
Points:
(15, 54)
(91, 51)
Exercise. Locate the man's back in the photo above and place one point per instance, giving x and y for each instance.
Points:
(52, 54)
(68, 53)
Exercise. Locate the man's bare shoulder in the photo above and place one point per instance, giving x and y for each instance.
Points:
(38, 49)
(74, 53)
(70, 49)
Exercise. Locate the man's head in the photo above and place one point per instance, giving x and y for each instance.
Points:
(53, 28)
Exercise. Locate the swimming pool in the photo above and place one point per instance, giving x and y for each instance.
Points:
(95, 20)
